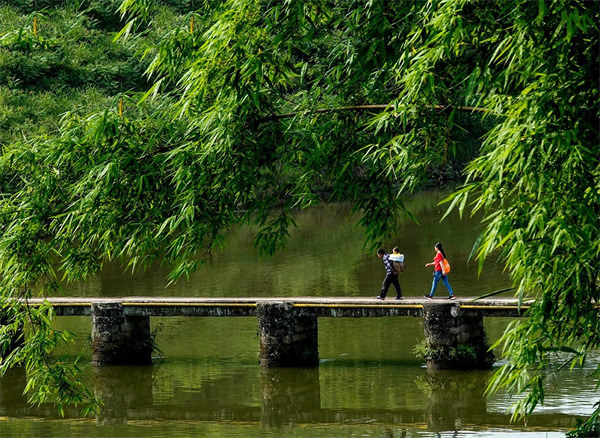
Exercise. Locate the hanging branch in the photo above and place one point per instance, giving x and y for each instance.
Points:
(376, 107)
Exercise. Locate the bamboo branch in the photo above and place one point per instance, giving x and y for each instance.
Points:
(376, 107)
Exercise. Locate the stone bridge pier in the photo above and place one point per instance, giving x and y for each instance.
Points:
(454, 338)
(289, 336)
(119, 339)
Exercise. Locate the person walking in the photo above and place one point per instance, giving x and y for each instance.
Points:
(438, 273)
(391, 277)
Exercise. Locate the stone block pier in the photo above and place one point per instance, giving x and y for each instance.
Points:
(288, 327)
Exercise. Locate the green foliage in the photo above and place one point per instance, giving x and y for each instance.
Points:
(586, 428)
(53, 378)
(461, 353)
(67, 51)
(70, 64)
(537, 182)
(261, 108)
(250, 62)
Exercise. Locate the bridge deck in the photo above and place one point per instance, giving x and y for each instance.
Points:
(246, 306)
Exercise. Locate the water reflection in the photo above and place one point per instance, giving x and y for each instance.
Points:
(12, 386)
(452, 397)
(289, 397)
(119, 394)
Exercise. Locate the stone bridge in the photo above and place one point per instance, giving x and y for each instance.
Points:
(288, 327)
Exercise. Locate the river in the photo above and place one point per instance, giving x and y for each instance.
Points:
(206, 380)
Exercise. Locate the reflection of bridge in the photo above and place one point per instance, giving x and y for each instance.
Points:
(287, 326)
(288, 397)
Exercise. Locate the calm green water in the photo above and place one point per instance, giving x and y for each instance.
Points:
(324, 257)
(208, 381)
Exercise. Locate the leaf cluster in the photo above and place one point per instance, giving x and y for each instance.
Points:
(70, 63)
(261, 107)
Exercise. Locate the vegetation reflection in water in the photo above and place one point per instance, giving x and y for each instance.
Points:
(369, 382)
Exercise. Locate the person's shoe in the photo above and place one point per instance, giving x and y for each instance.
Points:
(452, 297)
(379, 297)
(429, 297)
(398, 298)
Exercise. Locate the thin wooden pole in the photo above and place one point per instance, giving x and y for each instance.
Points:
(376, 107)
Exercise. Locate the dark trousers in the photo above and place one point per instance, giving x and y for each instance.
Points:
(387, 282)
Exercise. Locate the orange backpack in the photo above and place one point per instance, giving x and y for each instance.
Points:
(445, 265)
